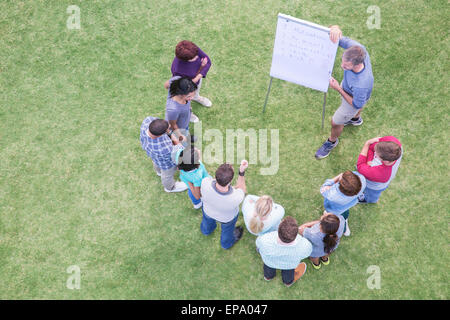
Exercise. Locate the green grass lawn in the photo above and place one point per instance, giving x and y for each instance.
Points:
(77, 189)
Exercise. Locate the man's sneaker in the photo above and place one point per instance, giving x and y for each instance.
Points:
(362, 199)
(298, 273)
(178, 187)
(237, 233)
(354, 122)
(198, 205)
(203, 101)
(267, 279)
(194, 118)
(347, 229)
(325, 149)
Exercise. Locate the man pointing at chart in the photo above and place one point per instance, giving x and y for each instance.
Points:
(355, 89)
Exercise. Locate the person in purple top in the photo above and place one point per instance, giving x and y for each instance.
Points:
(355, 89)
(190, 61)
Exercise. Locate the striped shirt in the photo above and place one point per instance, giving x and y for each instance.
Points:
(160, 149)
(282, 256)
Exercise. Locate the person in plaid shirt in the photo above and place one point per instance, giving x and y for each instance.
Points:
(160, 145)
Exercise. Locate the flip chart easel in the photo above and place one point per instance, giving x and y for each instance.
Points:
(303, 54)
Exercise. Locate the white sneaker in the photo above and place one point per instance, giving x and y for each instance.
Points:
(194, 118)
(179, 186)
(203, 101)
(199, 205)
(347, 231)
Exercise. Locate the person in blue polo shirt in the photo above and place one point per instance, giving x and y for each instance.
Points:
(284, 249)
(355, 89)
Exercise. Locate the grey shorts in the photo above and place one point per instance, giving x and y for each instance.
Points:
(344, 113)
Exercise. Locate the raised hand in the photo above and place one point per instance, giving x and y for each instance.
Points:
(244, 165)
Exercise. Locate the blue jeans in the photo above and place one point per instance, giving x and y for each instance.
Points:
(191, 196)
(372, 196)
(209, 224)
(286, 275)
(345, 216)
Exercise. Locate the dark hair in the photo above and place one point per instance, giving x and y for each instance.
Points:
(288, 230)
(350, 184)
(158, 127)
(188, 160)
(330, 225)
(224, 174)
(354, 54)
(388, 150)
(186, 50)
(182, 86)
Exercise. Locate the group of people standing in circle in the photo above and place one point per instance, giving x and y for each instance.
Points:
(281, 241)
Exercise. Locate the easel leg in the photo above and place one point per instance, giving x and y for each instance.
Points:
(323, 109)
(267, 95)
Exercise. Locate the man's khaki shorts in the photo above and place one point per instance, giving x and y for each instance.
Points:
(344, 113)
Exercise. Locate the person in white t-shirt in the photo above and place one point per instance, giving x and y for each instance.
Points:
(221, 203)
(261, 214)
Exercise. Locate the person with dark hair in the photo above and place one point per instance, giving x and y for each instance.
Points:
(160, 148)
(284, 250)
(355, 89)
(192, 172)
(378, 162)
(178, 105)
(190, 61)
(341, 193)
(221, 203)
(324, 235)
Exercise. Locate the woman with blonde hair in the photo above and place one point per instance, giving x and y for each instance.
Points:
(261, 214)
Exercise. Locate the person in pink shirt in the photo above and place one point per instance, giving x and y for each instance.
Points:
(378, 162)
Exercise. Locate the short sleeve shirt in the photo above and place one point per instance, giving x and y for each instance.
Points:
(272, 221)
(161, 149)
(181, 113)
(279, 256)
(195, 176)
(222, 207)
(315, 236)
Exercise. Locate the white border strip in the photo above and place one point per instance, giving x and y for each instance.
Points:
(311, 24)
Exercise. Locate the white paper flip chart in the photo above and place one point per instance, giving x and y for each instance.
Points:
(303, 53)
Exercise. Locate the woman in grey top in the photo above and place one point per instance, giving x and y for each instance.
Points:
(178, 105)
(324, 235)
